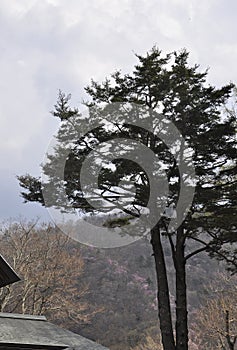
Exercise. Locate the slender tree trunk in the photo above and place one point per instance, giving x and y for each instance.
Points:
(181, 293)
(231, 343)
(164, 311)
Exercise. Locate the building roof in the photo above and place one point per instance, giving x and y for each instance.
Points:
(35, 332)
(11, 346)
(7, 274)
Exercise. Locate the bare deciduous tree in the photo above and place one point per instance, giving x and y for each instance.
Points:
(216, 322)
(50, 267)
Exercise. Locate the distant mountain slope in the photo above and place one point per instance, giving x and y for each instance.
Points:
(123, 281)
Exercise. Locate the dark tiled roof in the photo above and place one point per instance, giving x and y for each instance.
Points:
(7, 274)
(27, 330)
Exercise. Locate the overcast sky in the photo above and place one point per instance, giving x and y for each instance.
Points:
(47, 45)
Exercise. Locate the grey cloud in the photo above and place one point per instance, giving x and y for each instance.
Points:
(51, 44)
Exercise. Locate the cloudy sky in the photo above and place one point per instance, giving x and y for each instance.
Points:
(47, 45)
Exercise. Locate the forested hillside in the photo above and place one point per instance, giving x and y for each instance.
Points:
(109, 295)
(122, 280)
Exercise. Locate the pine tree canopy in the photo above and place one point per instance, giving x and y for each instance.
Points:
(167, 85)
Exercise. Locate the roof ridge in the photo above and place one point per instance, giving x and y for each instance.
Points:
(22, 316)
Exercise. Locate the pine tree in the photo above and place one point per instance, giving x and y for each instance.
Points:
(168, 85)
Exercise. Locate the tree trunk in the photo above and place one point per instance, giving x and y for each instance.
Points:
(231, 343)
(164, 311)
(181, 293)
